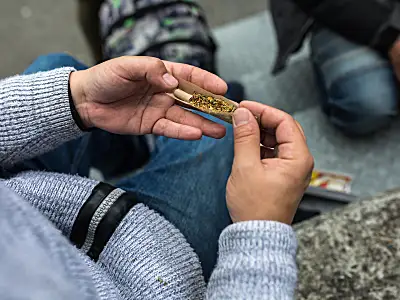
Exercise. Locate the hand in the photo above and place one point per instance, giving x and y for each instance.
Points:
(263, 186)
(127, 96)
(394, 55)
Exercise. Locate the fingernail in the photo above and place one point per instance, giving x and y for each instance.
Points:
(170, 80)
(241, 117)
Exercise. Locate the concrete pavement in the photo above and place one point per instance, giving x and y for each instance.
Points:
(29, 28)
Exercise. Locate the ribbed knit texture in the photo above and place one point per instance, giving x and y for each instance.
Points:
(35, 115)
(38, 263)
(146, 258)
(144, 250)
(258, 256)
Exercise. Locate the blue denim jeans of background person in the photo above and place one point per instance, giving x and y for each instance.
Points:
(184, 181)
(358, 87)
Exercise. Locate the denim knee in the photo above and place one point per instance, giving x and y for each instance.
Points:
(364, 103)
(53, 61)
(357, 123)
(358, 87)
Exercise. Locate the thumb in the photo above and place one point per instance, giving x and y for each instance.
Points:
(247, 137)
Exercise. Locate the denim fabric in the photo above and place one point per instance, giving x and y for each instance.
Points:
(184, 180)
(358, 87)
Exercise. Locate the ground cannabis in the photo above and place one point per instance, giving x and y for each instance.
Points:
(209, 103)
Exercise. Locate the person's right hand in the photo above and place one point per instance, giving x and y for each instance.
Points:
(266, 184)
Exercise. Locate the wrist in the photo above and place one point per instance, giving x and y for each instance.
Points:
(285, 216)
(78, 101)
(284, 219)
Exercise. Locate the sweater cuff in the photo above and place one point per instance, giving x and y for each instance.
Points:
(50, 103)
(56, 111)
(257, 260)
(258, 235)
(36, 114)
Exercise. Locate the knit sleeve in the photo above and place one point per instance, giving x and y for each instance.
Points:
(145, 256)
(256, 261)
(35, 116)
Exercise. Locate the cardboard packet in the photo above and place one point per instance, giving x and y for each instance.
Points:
(332, 181)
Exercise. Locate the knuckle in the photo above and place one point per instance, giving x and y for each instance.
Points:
(310, 163)
(160, 128)
(182, 117)
(164, 127)
(158, 63)
(244, 132)
(287, 117)
(178, 132)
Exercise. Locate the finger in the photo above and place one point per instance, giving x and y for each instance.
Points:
(289, 138)
(246, 137)
(202, 78)
(167, 128)
(143, 67)
(185, 117)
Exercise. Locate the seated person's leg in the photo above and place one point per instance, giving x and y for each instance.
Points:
(184, 181)
(53, 61)
(359, 90)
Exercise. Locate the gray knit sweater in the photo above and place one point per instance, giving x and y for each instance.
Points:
(146, 256)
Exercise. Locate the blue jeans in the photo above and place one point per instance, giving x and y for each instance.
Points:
(184, 180)
(358, 86)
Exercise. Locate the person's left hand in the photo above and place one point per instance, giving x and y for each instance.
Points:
(126, 95)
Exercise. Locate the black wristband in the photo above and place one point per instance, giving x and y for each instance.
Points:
(99, 217)
(74, 112)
